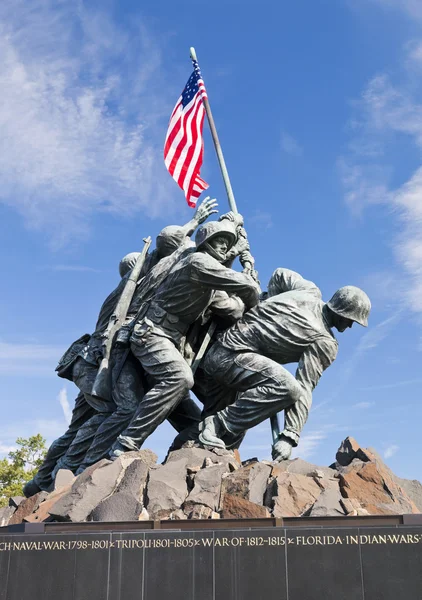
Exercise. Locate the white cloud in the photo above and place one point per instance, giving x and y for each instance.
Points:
(411, 8)
(5, 449)
(363, 405)
(64, 403)
(290, 145)
(28, 359)
(388, 111)
(309, 443)
(392, 385)
(390, 451)
(368, 342)
(80, 117)
(50, 429)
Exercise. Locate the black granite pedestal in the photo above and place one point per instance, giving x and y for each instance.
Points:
(277, 563)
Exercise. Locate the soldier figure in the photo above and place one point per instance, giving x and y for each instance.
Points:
(292, 325)
(80, 365)
(196, 284)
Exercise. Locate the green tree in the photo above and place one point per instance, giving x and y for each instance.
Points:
(20, 466)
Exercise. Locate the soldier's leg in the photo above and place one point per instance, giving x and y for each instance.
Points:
(172, 381)
(211, 392)
(80, 415)
(128, 391)
(84, 374)
(264, 387)
(185, 418)
(80, 445)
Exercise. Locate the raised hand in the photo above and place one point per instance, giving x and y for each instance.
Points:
(205, 209)
(235, 218)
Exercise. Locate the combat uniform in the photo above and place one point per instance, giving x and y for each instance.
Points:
(190, 289)
(247, 360)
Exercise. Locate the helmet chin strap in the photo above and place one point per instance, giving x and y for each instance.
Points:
(210, 250)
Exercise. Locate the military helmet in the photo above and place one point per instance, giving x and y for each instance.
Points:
(210, 230)
(169, 239)
(128, 262)
(352, 303)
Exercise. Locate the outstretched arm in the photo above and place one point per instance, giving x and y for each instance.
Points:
(207, 208)
(316, 358)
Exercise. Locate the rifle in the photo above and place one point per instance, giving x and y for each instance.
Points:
(101, 387)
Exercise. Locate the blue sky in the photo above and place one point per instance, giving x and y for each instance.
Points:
(319, 110)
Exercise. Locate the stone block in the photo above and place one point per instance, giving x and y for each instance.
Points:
(350, 449)
(199, 511)
(6, 514)
(15, 501)
(373, 487)
(42, 513)
(168, 487)
(249, 482)
(206, 488)
(121, 506)
(300, 467)
(235, 507)
(134, 479)
(413, 489)
(64, 478)
(89, 489)
(291, 495)
(27, 507)
(328, 504)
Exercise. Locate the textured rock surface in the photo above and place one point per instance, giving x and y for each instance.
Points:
(89, 489)
(249, 483)
(413, 489)
(301, 467)
(121, 506)
(15, 501)
(235, 507)
(42, 513)
(195, 483)
(64, 478)
(168, 485)
(373, 487)
(206, 488)
(27, 507)
(349, 450)
(5, 515)
(291, 495)
(328, 504)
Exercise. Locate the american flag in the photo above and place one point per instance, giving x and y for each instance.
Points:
(184, 147)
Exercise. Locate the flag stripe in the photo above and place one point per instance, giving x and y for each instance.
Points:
(183, 147)
(180, 138)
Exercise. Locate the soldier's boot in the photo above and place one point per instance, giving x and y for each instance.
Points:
(30, 489)
(212, 432)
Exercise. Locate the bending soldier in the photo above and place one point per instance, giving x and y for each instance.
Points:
(188, 291)
(292, 325)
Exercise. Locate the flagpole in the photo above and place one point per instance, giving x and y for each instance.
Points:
(275, 427)
(217, 145)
